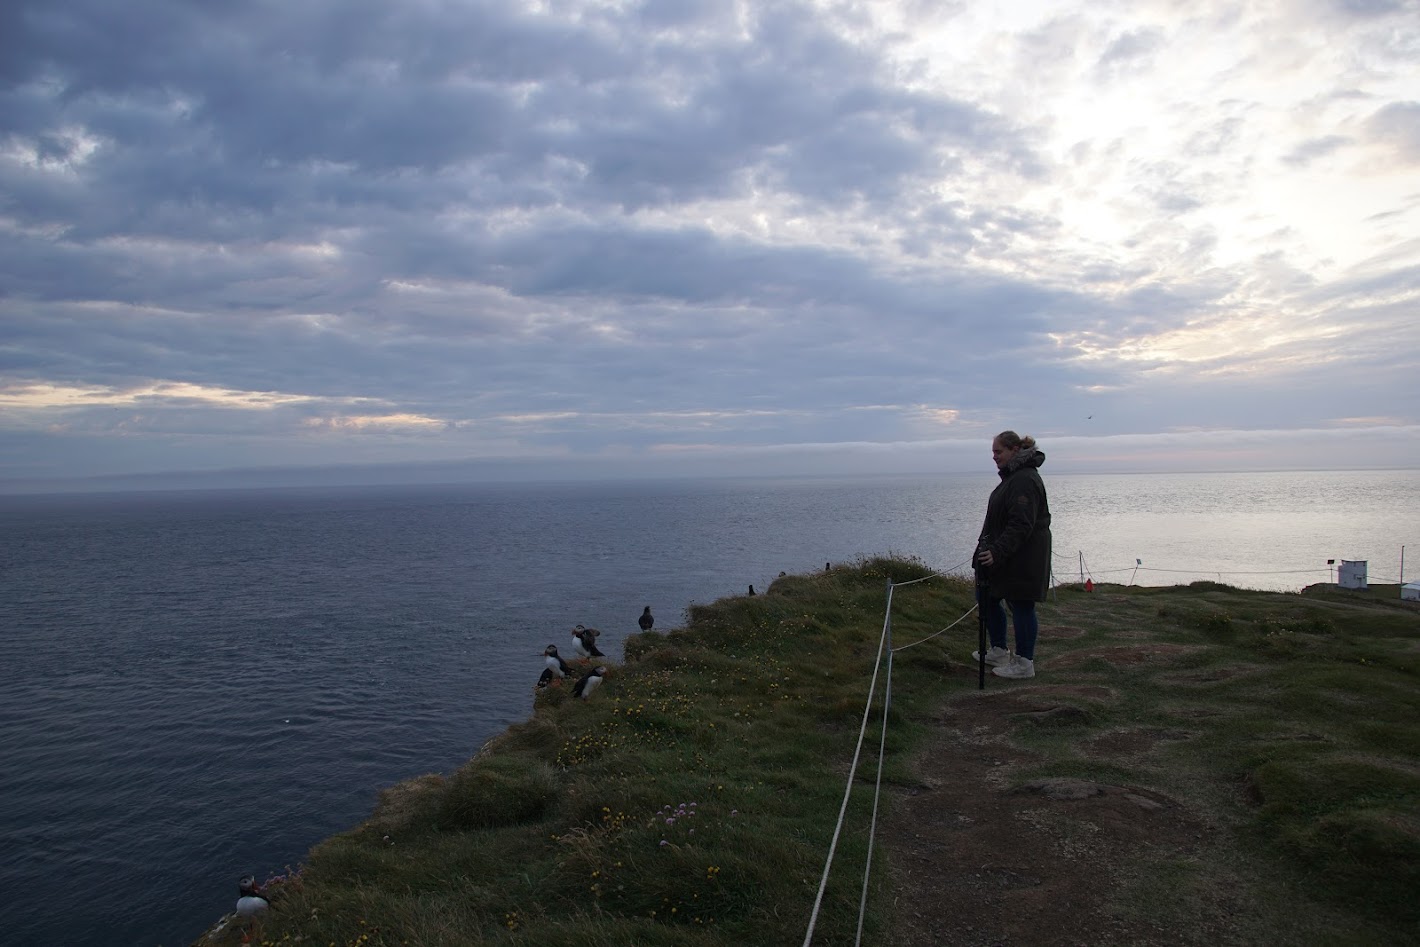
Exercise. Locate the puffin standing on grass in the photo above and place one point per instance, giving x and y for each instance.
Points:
(250, 901)
(589, 682)
(556, 668)
(584, 642)
(647, 621)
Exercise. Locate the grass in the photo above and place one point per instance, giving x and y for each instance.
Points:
(692, 800)
(1302, 722)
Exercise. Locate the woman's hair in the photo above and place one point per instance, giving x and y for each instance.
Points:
(1012, 440)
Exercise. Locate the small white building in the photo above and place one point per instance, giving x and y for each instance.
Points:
(1410, 591)
(1352, 574)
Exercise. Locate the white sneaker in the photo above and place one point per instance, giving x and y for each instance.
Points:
(994, 656)
(1018, 668)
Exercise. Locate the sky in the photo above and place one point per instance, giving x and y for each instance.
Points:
(384, 240)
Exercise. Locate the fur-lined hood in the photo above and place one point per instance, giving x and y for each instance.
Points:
(1026, 457)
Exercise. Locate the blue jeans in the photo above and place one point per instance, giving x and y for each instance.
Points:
(1022, 614)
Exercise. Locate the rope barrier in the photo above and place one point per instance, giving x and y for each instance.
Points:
(1093, 572)
(934, 575)
(1229, 572)
(853, 768)
(877, 784)
(1085, 569)
(945, 573)
(934, 634)
(884, 648)
(955, 571)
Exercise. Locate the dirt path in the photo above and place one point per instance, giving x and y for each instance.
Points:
(978, 858)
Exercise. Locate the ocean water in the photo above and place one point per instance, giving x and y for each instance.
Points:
(200, 685)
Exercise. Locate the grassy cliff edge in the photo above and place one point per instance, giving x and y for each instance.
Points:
(693, 799)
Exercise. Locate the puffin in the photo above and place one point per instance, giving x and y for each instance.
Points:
(556, 668)
(589, 682)
(249, 902)
(647, 621)
(584, 642)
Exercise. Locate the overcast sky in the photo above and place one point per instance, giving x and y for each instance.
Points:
(583, 239)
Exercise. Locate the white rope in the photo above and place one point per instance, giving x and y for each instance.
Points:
(1201, 571)
(1228, 572)
(936, 633)
(884, 647)
(953, 571)
(852, 771)
(944, 574)
(934, 575)
(877, 788)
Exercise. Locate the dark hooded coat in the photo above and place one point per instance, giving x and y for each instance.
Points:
(1017, 531)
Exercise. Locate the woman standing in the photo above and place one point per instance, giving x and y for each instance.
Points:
(1013, 554)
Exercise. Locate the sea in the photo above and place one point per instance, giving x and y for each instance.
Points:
(201, 685)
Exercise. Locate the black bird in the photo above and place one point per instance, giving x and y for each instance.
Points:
(251, 900)
(556, 668)
(751, 590)
(584, 642)
(589, 682)
(647, 620)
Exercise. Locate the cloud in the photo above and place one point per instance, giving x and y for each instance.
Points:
(1397, 126)
(408, 232)
(40, 396)
(1309, 151)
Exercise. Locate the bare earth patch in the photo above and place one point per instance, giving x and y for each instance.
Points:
(1124, 654)
(1087, 691)
(1208, 675)
(1132, 742)
(982, 857)
(1064, 631)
